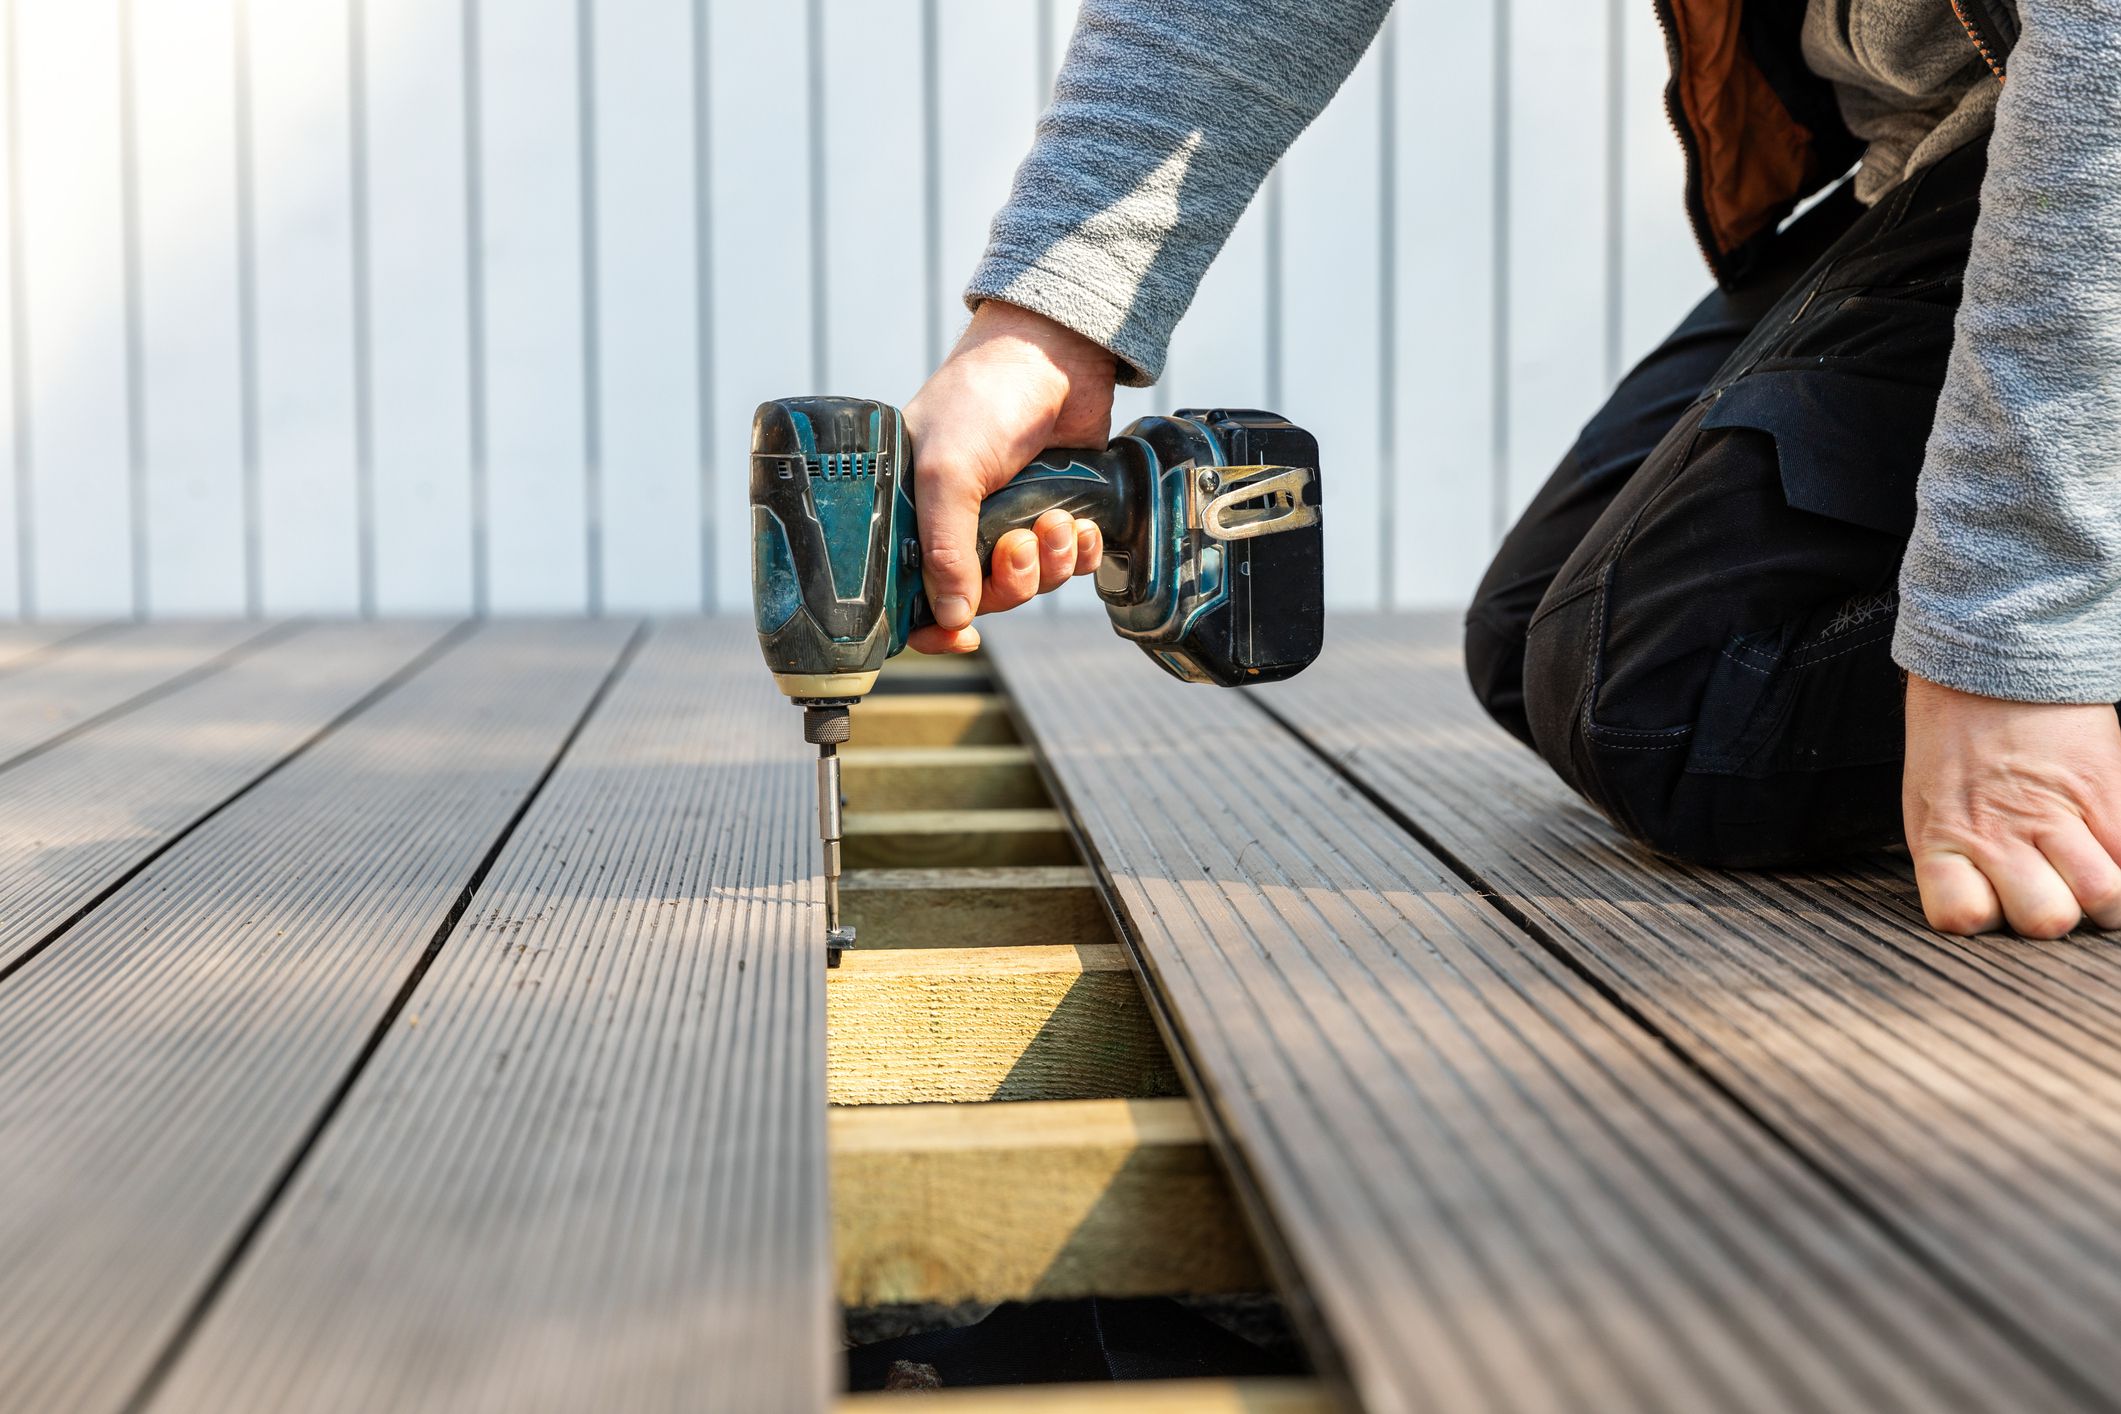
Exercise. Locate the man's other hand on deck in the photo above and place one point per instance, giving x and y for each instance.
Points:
(2013, 811)
(1016, 384)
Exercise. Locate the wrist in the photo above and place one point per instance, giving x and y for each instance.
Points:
(999, 328)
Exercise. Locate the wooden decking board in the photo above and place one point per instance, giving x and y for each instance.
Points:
(1497, 1190)
(24, 643)
(586, 1169)
(75, 819)
(105, 672)
(164, 1062)
(1967, 1090)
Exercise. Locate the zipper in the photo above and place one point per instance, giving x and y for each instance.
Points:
(1973, 32)
(1697, 211)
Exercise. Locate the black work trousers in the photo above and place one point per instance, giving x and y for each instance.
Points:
(1692, 622)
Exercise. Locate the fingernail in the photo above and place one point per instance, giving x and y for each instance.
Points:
(953, 611)
(1024, 555)
(1058, 536)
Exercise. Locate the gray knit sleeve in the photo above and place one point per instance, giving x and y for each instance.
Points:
(1165, 120)
(2012, 583)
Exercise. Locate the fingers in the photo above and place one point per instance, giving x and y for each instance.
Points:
(1089, 546)
(1037, 561)
(2037, 903)
(1956, 896)
(935, 639)
(1057, 540)
(2087, 870)
(1013, 572)
(949, 498)
(2037, 893)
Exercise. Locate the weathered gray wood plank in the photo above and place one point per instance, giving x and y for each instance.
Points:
(74, 819)
(24, 643)
(165, 1060)
(1498, 1190)
(586, 1169)
(1968, 1089)
(54, 693)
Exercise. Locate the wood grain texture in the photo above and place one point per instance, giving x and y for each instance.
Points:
(75, 819)
(1488, 1187)
(931, 839)
(932, 719)
(165, 1060)
(1033, 1201)
(111, 671)
(1045, 904)
(1257, 1396)
(1968, 1089)
(915, 1025)
(586, 1168)
(941, 778)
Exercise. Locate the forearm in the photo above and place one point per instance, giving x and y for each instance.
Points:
(1166, 118)
(2012, 583)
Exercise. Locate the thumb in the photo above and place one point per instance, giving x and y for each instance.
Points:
(950, 482)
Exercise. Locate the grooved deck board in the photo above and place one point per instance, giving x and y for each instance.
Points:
(586, 1169)
(74, 819)
(1489, 1186)
(54, 693)
(25, 643)
(164, 1060)
(1970, 1089)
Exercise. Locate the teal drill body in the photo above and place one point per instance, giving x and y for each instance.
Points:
(1212, 564)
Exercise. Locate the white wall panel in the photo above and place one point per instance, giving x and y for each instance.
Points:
(72, 226)
(874, 233)
(419, 305)
(302, 146)
(646, 305)
(558, 397)
(183, 60)
(989, 105)
(1662, 272)
(1331, 321)
(1558, 189)
(13, 415)
(530, 176)
(1443, 398)
(762, 287)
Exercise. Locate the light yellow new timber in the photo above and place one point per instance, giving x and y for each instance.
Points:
(933, 719)
(1025, 1023)
(1042, 1199)
(1132, 1397)
(889, 839)
(971, 908)
(940, 778)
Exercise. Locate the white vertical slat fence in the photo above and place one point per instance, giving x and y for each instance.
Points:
(392, 306)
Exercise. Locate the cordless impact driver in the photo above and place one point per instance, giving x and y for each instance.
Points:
(1212, 555)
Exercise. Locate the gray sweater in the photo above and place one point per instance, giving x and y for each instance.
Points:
(2011, 587)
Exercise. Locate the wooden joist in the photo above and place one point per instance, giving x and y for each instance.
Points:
(928, 839)
(1255, 1396)
(990, 1023)
(941, 778)
(1030, 1201)
(1968, 1089)
(1489, 1186)
(932, 719)
(969, 908)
